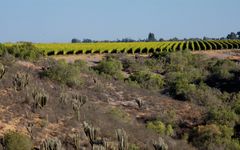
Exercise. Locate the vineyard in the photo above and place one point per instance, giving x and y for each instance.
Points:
(135, 47)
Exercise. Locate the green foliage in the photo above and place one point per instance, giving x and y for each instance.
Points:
(64, 73)
(26, 51)
(148, 80)
(133, 147)
(157, 126)
(2, 49)
(154, 65)
(213, 136)
(81, 65)
(160, 128)
(151, 37)
(222, 116)
(203, 95)
(236, 103)
(132, 65)
(20, 81)
(223, 69)
(160, 144)
(179, 84)
(17, 141)
(110, 67)
(169, 130)
(119, 114)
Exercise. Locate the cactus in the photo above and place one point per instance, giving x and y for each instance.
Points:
(51, 144)
(81, 100)
(160, 144)
(30, 129)
(98, 147)
(76, 140)
(2, 70)
(91, 133)
(139, 103)
(64, 98)
(77, 103)
(20, 81)
(122, 139)
(39, 99)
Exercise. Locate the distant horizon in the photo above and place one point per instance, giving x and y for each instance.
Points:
(112, 40)
(59, 21)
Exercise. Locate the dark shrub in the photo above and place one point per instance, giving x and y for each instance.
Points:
(17, 141)
(223, 69)
(110, 67)
(213, 136)
(179, 85)
(2, 49)
(148, 80)
(204, 95)
(64, 73)
(222, 116)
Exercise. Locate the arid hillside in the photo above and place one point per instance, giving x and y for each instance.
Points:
(162, 101)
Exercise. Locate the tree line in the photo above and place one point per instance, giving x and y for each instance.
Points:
(151, 38)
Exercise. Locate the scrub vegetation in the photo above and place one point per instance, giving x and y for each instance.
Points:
(170, 99)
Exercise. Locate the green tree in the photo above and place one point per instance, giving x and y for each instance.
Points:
(238, 33)
(151, 37)
(232, 35)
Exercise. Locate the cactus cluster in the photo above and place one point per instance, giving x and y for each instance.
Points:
(122, 139)
(96, 142)
(20, 81)
(39, 99)
(90, 132)
(76, 101)
(76, 140)
(2, 70)
(51, 144)
(99, 143)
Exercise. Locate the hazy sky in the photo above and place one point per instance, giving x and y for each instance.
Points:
(62, 20)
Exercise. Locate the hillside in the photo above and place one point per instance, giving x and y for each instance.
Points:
(170, 101)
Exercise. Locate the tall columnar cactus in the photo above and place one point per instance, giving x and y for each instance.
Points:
(39, 99)
(77, 102)
(122, 139)
(64, 98)
(51, 144)
(90, 132)
(2, 70)
(20, 81)
(96, 142)
(77, 140)
(160, 144)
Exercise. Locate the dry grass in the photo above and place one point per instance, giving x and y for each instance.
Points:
(221, 54)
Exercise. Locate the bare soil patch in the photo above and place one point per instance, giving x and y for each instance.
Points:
(221, 54)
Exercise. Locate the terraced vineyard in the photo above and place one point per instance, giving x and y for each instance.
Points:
(135, 47)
